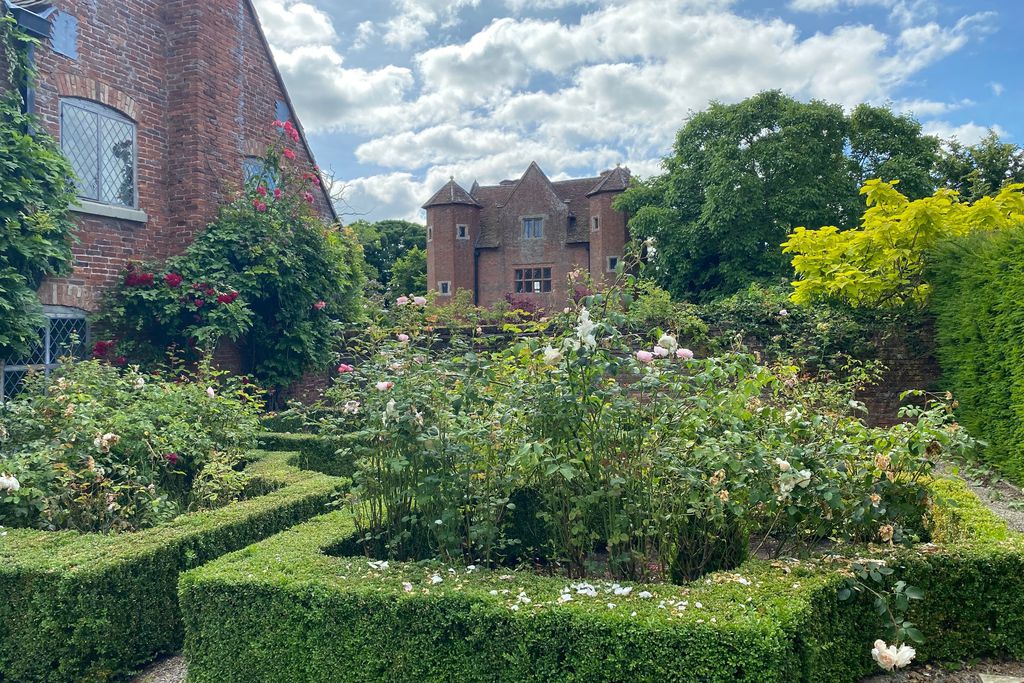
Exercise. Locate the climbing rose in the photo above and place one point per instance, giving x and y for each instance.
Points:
(135, 279)
(277, 193)
(227, 298)
(308, 196)
(684, 354)
(172, 279)
(384, 386)
(278, 124)
(320, 305)
(644, 356)
(261, 191)
(101, 348)
(289, 155)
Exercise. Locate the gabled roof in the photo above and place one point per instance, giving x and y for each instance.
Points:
(615, 180)
(451, 193)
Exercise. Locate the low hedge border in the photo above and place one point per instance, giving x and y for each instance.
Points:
(92, 607)
(286, 610)
(315, 452)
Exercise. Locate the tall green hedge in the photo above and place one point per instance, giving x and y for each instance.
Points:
(90, 607)
(287, 610)
(978, 289)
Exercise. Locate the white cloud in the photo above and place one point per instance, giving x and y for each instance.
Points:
(997, 89)
(411, 24)
(967, 133)
(928, 108)
(290, 23)
(901, 11)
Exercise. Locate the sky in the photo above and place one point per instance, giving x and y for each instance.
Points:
(396, 96)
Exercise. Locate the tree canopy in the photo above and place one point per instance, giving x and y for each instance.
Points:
(981, 169)
(742, 176)
(384, 242)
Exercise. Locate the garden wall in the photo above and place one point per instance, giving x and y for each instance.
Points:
(91, 607)
(287, 610)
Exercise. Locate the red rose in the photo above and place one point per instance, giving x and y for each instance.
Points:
(290, 155)
(101, 348)
(173, 279)
(261, 191)
(120, 360)
(137, 279)
(277, 193)
(278, 124)
(171, 458)
(199, 303)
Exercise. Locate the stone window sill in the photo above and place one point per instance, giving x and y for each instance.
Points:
(110, 211)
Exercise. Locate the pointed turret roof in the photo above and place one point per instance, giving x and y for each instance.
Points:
(451, 193)
(615, 180)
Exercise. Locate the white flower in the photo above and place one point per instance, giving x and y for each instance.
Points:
(784, 465)
(645, 595)
(390, 412)
(684, 354)
(436, 579)
(552, 356)
(890, 657)
(140, 382)
(8, 482)
(804, 478)
(351, 407)
(438, 522)
(792, 414)
(407, 587)
(564, 597)
(379, 565)
(783, 313)
(210, 392)
(493, 592)
(471, 568)
(585, 330)
(611, 605)
(669, 342)
(621, 590)
(661, 352)
(515, 607)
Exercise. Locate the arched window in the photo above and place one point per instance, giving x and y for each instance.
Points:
(100, 143)
(64, 333)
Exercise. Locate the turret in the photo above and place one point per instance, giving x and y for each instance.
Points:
(608, 233)
(453, 227)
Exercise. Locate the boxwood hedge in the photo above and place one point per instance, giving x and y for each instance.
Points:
(288, 609)
(92, 607)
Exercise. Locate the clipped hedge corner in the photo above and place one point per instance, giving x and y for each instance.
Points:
(286, 609)
(91, 607)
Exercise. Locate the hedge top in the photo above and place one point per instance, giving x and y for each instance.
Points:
(58, 551)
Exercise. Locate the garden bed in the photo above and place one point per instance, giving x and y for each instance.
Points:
(286, 610)
(92, 607)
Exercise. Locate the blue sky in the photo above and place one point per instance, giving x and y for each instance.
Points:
(398, 95)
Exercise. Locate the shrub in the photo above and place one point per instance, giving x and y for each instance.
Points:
(35, 197)
(94, 607)
(290, 609)
(267, 269)
(95, 448)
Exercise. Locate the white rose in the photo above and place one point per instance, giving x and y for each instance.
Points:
(784, 465)
(8, 482)
(552, 356)
(669, 342)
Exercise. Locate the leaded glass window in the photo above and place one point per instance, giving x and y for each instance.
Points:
(63, 334)
(100, 144)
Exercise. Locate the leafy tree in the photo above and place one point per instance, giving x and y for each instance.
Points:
(742, 176)
(384, 242)
(882, 263)
(409, 272)
(35, 196)
(981, 169)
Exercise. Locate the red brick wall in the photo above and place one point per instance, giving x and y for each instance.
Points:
(449, 258)
(610, 237)
(201, 87)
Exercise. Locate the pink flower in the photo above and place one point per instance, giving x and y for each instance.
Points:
(684, 354)
(320, 305)
(420, 300)
(277, 193)
(173, 279)
(278, 124)
(403, 337)
(261, 207)
(290, 155)
(384, 386)
(661, 352)
(210, 392)
(644, 356)
(171, 458)
(401, 301)
(345, 368)
(261, 191)
(308, 196)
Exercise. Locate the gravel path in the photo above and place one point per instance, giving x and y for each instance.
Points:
(170, 670)
(1002, 497)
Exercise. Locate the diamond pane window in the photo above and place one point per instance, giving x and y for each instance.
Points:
(100, 144)
(63, 335)
(253, 168)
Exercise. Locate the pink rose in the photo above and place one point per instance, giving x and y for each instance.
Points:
(403, 337)
(684, 354)
(261, 191)
(290, 155)
(401, 301)
(420, 300)
(384, 386)
(345, 368)
(660, 352)
(308, 196)
(277, 193)
(320, 305)
(644, 356)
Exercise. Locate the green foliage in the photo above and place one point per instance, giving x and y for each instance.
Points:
(35, 196)
(268, 273)
(652, 308)
(409, 272)
(742, 176)
(98, 449)
(386, 244)
(979, 284)
(288, 609)
(94, 607)
(982, 169)
(882, 263)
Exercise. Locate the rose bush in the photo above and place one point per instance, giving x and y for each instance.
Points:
(96, 448)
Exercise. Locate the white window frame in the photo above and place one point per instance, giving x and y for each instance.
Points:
(610, 267)
(538, 233)
(444, 287)
(50, 363)
(103, 111)
(462, 231)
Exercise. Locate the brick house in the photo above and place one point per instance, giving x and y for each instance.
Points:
(520, 239)
(162, 107)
